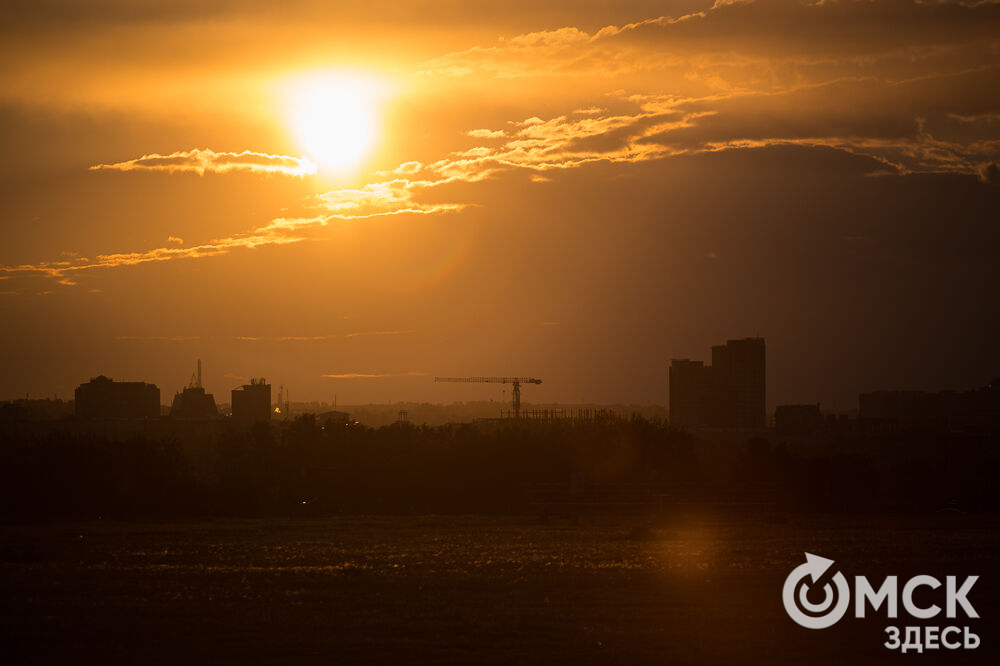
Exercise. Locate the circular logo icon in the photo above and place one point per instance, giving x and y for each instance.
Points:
(797, 605)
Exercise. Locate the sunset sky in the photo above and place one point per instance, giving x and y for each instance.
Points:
(350, 198)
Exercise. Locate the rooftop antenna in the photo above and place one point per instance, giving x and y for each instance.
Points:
(199, 373)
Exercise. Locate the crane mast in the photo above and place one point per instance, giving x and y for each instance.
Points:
(514, 381)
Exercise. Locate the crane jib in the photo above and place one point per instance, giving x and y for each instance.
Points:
(490, 380)
(516, 381)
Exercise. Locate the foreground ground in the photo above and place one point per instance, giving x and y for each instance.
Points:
(681, 589)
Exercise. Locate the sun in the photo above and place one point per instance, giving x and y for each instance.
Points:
(334, 118)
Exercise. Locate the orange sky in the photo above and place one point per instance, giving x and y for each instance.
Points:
(577, 192)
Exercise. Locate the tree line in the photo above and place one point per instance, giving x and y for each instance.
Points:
(304, 467)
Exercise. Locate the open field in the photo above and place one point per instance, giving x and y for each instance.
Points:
(467, 589)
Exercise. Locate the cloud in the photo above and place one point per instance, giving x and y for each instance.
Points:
(856, 75)
(975, 118)
(543, 52)
(373, 375)
(208, 161)
(914, 126)
(911, 84)
(359, 334)
(564, 142)
(741, 37)
(486, 134)
(166, 338)
(320, 338)
(279, 231)
(362, 334)
(175, 239)
(804, 30)
(392, 197)
(407, 168)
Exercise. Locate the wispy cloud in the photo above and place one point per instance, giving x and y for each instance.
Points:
(373, 375)
(749, 74)
(209, 161)
(362, 334)
(908, 134)
(394, 197)
(319, 338)
(279, 231)
(739, 38)
(486, 134)
(167, 338)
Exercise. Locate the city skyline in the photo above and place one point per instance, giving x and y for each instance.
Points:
(727, 394)
(702, 370)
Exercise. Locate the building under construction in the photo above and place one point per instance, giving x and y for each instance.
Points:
(515, 382)
(192, 402)
(252, 403)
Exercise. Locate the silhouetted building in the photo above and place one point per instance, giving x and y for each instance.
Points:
(38, 409)
(739, 368)
(730, 393)
(885, 412)
(798, 420)
(334, 417)
(102, 398)
(252, 403)
(192, 402)
(691, 391)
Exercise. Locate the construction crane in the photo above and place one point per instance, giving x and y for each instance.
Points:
(196, 378)
(515, 381)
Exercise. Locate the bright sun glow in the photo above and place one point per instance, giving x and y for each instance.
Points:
(334, 118)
